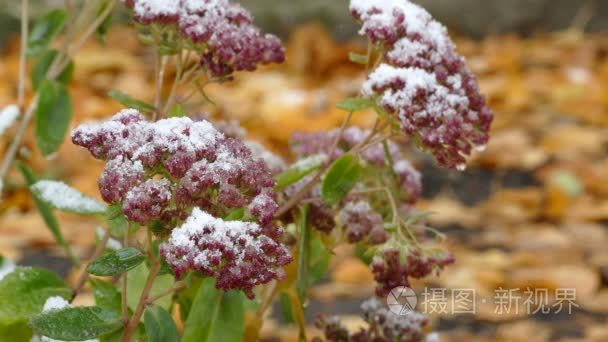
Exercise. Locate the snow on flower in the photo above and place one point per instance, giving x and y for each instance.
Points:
(224, 32)
(63, 197)
(8, 115)
(179, 172)
(423, 80)
(237, 253)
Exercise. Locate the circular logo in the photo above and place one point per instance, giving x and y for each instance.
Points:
(401, 300)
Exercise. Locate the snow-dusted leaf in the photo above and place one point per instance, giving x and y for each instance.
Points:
(299, 170)
(116, 262)
(24, 291)
(65, 198)
(8, 115)
(76, 323)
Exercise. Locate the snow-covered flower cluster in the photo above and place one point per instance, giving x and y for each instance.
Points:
(382, 326)
(423, 80)
(163, 172)
(223, 32)
(393, 268)
(237, 253)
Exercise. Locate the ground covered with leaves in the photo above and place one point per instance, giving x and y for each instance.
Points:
(530, 213)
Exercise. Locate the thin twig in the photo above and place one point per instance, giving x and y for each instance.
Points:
(176, 287)
(24, 35)
(85, 275)
(134, 320)
(123, 303)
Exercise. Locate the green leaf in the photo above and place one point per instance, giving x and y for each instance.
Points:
(353, 104)
(185, 298)
(130, 102)
(116, 262)
(117, 222)
(103, 28)
(215, 315)
(45, 210)
(303, 253)
(177, 111)
(137, 280)
(76, 323)
(235, 215)
(358, 58)
(16, 332)
(65, 198)
(159, 325)
(106, 295)
(340, 179)
(44, 62)
(24, 291)
(285, 305)
(53, 115)
(299, 170)
(319, 261)
(45, 30)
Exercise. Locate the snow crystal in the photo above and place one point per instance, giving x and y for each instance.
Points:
(64, 197)
(7, 117)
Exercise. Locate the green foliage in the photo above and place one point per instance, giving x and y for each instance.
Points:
(318, 263)
(45, 30)
(177, 111)
(358, 58)
(117, 222)
(53, 115)
(303, 253)
(353, 104)
(297, 171)
(106, 295)
(45, 210)
(215, 315)
(136, 282)
(159, 325)
(340, 179)
(76, 323)
(20, 331)
(42, 66)
(103, 28)
(130, 102)
(24, 291)
(116, 262)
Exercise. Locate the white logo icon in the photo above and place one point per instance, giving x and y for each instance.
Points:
(401, 300)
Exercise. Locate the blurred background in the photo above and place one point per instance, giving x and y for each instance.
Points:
(531, 212)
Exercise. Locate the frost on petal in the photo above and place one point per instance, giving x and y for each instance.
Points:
(118, 177)
(359, 220)
(237, 253)
(8, 115)
(146, 201)
(63, 197)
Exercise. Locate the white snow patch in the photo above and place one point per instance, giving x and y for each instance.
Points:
(63, 197)
(8, 116)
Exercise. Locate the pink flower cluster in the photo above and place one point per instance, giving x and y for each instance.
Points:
(382, 326)
(236, 253)
(423, 80)
(160, 171)
(223, 32)
(392, 268)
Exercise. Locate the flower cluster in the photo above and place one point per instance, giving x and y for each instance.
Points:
(237, 253)
(160, 171)
(383, 326)
(423, 80)
(223, 32)
(392, 268)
